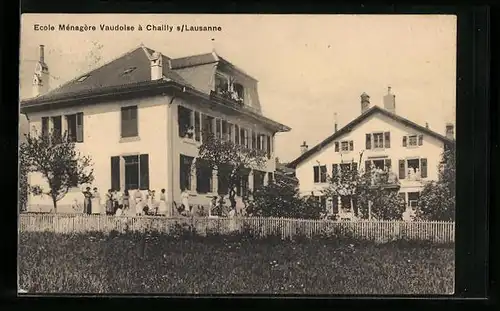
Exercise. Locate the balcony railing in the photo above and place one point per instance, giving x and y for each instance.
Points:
(228, 96)
(385, 179)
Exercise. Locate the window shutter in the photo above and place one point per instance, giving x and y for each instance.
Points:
(336, 146)
(335, 168)
(316, 174)
(115, 173)
(404, 141)
(423, 168)
(323, 173)
(218, 130)
(79, 127)
(354, 167)
(420, 139)
(402, 169)
(144, 172)
(388, 163)
(387, 140)
(368, 141)
(367, 166)
(351, 145)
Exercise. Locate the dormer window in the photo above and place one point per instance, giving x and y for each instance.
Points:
(82, 78)
(228, 88)
(221, 84)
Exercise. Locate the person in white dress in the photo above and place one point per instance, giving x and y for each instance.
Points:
(139, 204)
(96, 202)
(162, 204)
(185, 201)
(232, 220)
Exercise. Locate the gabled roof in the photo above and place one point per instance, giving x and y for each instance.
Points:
(351, 125)
(128, 69)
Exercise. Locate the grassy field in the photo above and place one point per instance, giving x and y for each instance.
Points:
(140, 263)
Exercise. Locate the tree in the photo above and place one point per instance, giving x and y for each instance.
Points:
(437, 199)
(232, 161)
(373, 193)
(23, 185)
(54, 157)
(281, 199)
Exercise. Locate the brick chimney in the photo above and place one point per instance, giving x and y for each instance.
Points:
(450, 132)
(156, 66)
(303, 148)
(41, 75)
(336, 123)
(365, 102)
(390, 101)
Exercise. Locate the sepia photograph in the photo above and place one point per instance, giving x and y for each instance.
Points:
(231, 154)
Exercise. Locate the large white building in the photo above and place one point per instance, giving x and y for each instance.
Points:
(141, 117)
(381, 139)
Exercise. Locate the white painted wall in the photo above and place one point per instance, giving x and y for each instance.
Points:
(102, 124)
(430, 149)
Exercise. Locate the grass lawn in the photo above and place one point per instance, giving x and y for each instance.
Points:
(134, 263)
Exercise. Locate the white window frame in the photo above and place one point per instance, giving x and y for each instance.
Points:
(382, 141)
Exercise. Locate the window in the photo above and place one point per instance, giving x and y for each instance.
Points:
(378, 140)
(379, 164)
(218, 129)
(259, 141)
(238, 88)
(344, 146)
(237, 134)
(223, 174)
(225, 130)
(413, 140)
(197, 126)
(254, 140)
(242, 185)
(413, 169)
(320, 174)
(186, 129)
(402, 195)
(57, 125)
(321, 200)
(413, 199)
(136, 172)
(203, 177)
(270, 177)
(131, 172)
(230, 132)
(185, 172)
(208, 126)
(45, 126)
(221, 83)
(346, 202)
(258, 179)
(75, 127)
(268, 146)
(129, 122)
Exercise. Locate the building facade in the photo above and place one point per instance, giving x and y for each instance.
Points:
(141, 118)
(377, 140)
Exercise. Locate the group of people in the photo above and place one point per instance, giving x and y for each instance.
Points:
(139, 203)
(117, 203)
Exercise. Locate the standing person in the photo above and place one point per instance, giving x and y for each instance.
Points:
(213, 206)
(232, 221)
(109, 202)
(96, 202)
(162, 206)
(185, 200)
(87, 201)
(125, 200)
(139, 204)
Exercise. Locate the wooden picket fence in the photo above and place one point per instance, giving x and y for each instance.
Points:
(379, 231)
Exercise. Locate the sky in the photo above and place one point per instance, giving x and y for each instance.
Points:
(309, 67)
